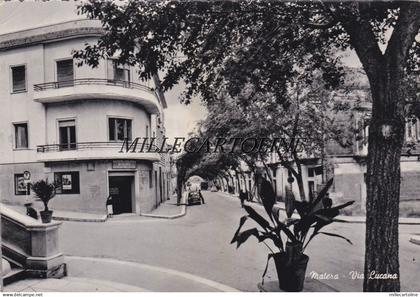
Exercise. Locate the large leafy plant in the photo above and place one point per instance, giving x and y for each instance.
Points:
(314, 215)
(44, 191)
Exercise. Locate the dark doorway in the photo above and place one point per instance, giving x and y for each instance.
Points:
(156, 189)
(160, 185)
(120, 188)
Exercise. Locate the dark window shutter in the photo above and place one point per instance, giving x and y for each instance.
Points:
(19, 78)
(65, 74)
(21, 135)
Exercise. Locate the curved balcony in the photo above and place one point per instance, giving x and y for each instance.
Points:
(96, 88)
(94, 151)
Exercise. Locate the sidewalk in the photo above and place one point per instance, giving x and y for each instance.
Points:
(348, 219)
(359, 219)
(87, 274)
(169, 209)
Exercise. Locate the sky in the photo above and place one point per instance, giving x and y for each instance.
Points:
(180, 119)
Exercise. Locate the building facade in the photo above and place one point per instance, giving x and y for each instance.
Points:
(67, 123)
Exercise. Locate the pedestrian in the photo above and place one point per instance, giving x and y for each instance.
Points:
(327, 202)
(201, 197)
(247, 196)
(265, 191)
(242, 197)
(110, 206)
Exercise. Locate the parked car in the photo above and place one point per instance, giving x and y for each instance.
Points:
(194, 198)
(204, 185)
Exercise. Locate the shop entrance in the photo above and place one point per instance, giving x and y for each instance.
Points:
(121, 191)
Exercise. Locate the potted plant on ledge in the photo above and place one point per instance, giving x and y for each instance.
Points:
(44, 191)
(290, 260)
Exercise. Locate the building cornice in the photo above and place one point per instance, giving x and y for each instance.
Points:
(47, 34)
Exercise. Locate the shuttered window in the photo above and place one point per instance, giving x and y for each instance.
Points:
(121, 73)
(67, 131)
(18, 79)
(119, 129)
(21, 135)
(65, 73)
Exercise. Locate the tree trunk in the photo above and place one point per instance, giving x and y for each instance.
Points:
(386, 138)
(179, 185)
(385, 71)
(299, 181)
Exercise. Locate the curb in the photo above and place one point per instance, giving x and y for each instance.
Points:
(348, 219)
(169, 217)
(415, 239)
(98, 217)
(68, 219)
(55, 285)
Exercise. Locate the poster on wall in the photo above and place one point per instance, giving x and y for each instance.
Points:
(66, 182)
(20, 184)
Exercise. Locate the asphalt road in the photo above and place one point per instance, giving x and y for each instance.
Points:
(199, 243)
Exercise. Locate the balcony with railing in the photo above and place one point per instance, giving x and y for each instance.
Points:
(97, 88)
(96, 151)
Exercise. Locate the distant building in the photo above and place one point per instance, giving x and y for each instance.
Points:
(348, 165)
(67, 123)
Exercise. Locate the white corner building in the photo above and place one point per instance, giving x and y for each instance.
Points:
(67, 123)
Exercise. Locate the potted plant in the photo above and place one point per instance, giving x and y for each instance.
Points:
(44, 191)
(290, 260)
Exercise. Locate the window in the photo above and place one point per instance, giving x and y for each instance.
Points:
(418, 129)
(21, 135)
(18, 79)
(274, 170)
(362, 134)
(311, 172)
(67, 134)
(20, 186)
(65, 73)
(412, 129)
(121, 73)
(119, 129)
(67, 182)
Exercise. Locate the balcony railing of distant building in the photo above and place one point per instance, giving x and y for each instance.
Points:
(92, 146)
(93, 81)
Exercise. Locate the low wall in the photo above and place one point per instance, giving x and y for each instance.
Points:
(31, 244)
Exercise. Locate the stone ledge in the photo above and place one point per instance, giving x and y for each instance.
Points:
(415, 239)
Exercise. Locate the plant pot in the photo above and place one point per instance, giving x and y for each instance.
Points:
(291, 274)
(46, 216)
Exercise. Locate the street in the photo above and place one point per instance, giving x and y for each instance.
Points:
(199, 244)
